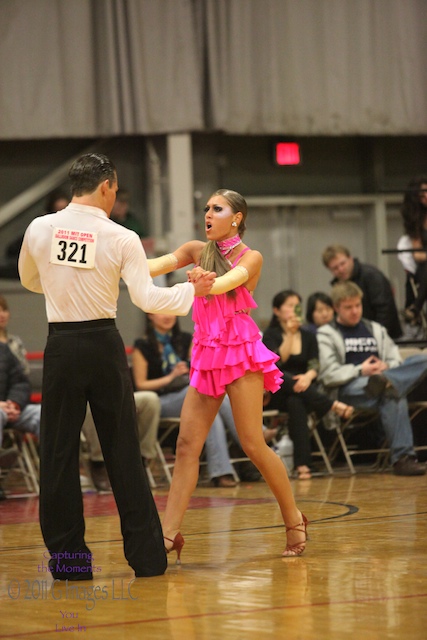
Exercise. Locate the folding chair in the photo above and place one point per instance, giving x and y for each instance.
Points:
(360, 419)
(166, 427)
(27, 463)
(275, 418)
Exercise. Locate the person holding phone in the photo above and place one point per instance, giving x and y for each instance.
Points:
(299, 362)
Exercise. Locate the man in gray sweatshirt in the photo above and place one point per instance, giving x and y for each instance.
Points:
(362, 364)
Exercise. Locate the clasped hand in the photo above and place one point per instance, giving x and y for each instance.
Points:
(202, 280)
(11, 409)
(372, 366)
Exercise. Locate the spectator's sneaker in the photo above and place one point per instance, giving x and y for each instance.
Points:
(224, 482)
(408, 466)
(99, 475)
(8, 457)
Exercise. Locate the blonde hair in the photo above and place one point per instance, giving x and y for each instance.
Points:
(345, 290)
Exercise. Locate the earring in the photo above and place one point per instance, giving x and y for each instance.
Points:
(234, 224)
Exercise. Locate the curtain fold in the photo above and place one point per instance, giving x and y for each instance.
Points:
(318, 68)
(124, 67)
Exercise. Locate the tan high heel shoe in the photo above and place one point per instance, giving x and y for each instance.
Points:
(294, 550)
(177, 544)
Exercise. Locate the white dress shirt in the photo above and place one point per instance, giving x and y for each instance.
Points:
(57, 250)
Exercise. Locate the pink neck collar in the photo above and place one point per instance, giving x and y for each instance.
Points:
(226, 246)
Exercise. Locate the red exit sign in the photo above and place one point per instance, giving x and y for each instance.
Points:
(287, 153)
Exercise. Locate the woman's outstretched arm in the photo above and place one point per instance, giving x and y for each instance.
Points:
(186, 254)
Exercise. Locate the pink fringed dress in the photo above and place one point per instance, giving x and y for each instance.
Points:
(227, 344)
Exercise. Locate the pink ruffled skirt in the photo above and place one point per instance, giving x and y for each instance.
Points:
(232, 351)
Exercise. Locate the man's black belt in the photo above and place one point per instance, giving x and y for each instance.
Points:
(85, 325)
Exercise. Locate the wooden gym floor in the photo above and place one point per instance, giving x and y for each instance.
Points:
(363, 575)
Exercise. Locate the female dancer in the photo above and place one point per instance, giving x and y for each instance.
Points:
(228, 357)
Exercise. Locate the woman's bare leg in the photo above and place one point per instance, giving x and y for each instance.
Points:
(197, 415)
(246, 401)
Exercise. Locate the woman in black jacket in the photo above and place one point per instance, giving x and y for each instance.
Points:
(299, 362)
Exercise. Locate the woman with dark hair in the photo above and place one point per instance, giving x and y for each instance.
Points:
(160, 363)
(319, 311)
(299, 362)
(228, 357)
(414, 215)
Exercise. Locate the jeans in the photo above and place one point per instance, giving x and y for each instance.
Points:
(28, 421)
(393, 411)
(216, 443)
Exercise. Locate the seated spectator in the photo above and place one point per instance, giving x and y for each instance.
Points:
(378, 299)
(299, 362)
(160, 363)
(15, 411)
(147, 405)
(14, 342)
(121, 214)
(28, 419)
(319, 311)
(414, 214)
(361, 365)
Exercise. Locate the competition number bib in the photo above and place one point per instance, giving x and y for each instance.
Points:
(73, 248)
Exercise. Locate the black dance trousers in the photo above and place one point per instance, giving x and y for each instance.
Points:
(298, 406)
(86, 362)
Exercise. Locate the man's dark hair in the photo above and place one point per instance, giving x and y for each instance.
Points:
(88, 171)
